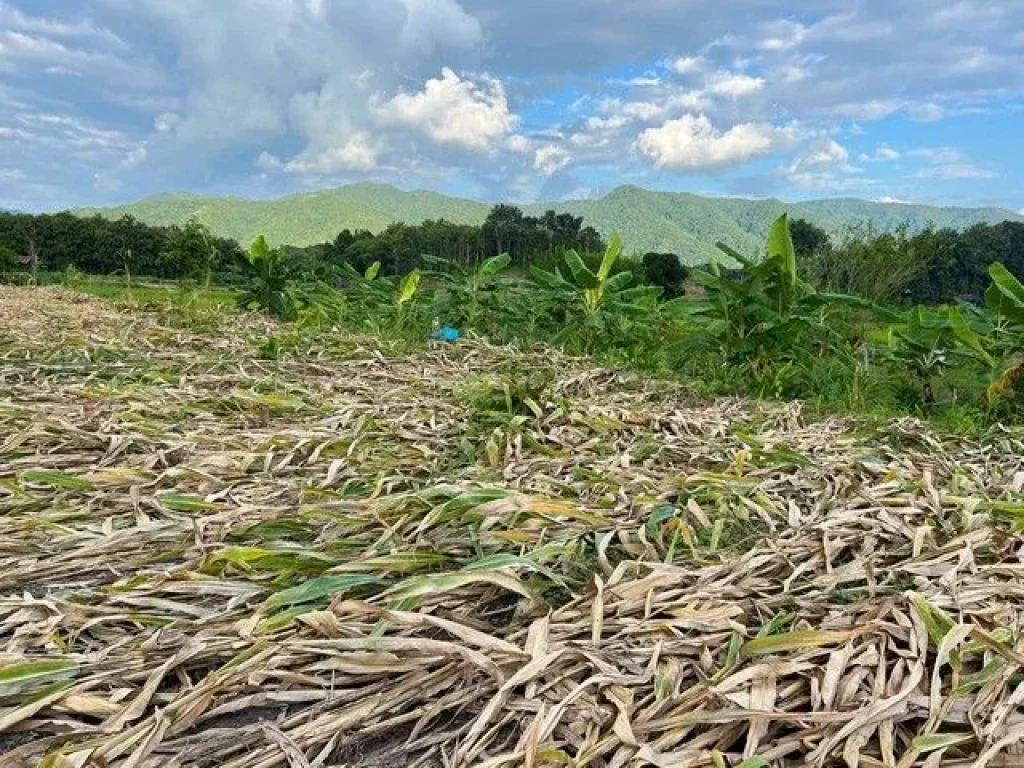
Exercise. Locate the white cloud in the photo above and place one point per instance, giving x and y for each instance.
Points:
(872, 109)
(893, 200)
(433, 24)
(927, 112)
(882, 153)
(551, 158)
(693, 143)
(519, 144)
(268, 162)
(134, 158)
(820, 153)
(824, 164)
(357, 153)
(451, 110)
(735, 86)
(782, 36)
(938, 154)
(960, 171)
(687, 65)
(13, 18)
(948, 163)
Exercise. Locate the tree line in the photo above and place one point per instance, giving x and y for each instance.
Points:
(400, 247)
(54, 242)
(931, 266)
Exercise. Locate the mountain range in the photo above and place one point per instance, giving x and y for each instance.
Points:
(678, 222)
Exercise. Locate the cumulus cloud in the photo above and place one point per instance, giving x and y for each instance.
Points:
(452, 110)
(357, 153)
(824, 165)
(692, 143)
(345, 88)
(735, 86)
(686, 65)
(820, 153)
(551, 158)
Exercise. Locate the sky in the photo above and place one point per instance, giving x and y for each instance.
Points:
(107, 101)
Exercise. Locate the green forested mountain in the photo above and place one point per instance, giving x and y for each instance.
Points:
(682, 223)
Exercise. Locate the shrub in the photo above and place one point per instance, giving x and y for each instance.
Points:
(666, 271)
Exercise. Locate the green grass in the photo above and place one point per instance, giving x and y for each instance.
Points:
(147, 291)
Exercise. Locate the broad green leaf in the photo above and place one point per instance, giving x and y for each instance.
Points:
(777, 623)
(372, 271)
(611, 254)
(794, 641)
(259, 250)
(580, 272)
(319, 588)
(732, 254)
(966, 335)
(419, 586)
(621, 281)
(23, 674)
(971, 683)
(935, 620)
(754, 762)
(935, 741)
(272, 560)
(56, 479)
(494, 265)
(1007, 283)
(1005, 295)
(277, 530)
(408, 287)
(547, 279)
(501, 560)
(780, 244)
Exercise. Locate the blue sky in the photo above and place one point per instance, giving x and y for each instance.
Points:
(105, 101)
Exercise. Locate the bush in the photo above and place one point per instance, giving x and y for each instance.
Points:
(16, 278)
(666, 271)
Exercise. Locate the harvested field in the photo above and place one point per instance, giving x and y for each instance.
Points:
(478, 556)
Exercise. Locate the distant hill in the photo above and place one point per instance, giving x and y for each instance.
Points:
(680, 222)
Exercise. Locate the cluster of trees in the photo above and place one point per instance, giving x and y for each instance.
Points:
(401, 247)
(934, 266)
(54, 242)
(931, 266)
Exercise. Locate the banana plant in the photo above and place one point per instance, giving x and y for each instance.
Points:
(268, 281)
(597, 304)
(767, 314)
(994, 335)
(926, 346)
(1005, 300)
(467, 296)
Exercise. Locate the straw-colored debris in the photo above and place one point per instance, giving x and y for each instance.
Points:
(208, 559)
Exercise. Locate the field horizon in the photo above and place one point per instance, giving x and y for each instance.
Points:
(679, 222)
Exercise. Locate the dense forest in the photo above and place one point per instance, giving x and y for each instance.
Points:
(55, 242)
(401, 247)
(931, 266)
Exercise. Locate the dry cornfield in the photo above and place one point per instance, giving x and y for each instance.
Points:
(473, 556)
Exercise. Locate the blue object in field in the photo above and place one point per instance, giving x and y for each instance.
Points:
(446, 333)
